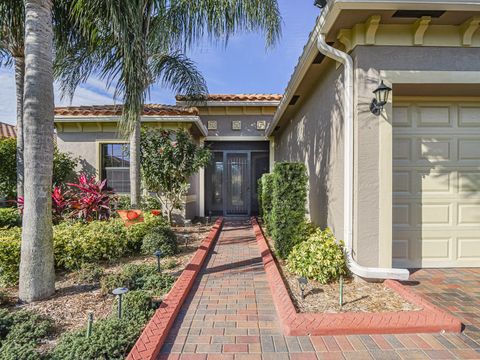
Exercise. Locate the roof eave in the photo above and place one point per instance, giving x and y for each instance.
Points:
(325, 22)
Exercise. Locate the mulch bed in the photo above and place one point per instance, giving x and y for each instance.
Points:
(358, 295)
(73, 300)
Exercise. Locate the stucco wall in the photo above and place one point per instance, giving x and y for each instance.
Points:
(224, 124)
(314, 135)
(369, 61)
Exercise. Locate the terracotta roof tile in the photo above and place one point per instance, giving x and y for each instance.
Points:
(7, 130)
(238, 97)
(113, 110)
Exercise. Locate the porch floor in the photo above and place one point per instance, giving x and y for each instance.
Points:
(229, 314)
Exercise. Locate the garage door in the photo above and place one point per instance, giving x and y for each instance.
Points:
(436, 184)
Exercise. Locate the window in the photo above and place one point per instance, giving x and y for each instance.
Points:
(115, 166)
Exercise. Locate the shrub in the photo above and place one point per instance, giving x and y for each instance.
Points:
(123, 203)
(319, 258)
(150, 203)
(160, 238)
(110, 282)
(10, 217)
(170, 264)
(136, 232)
(136, 306)
(10, 241)
(12, 350)
(64, 165)
(288, 206)
(78, 243)
(111, 339)
(266, 198)
(90, 273)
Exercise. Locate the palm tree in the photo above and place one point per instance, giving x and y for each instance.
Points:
(137, 43)
(12, 16)
(37, 276)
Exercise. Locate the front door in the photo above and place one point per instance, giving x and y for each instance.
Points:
(237, 187)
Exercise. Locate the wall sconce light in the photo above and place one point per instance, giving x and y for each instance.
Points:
(382, 93)
(320, 3)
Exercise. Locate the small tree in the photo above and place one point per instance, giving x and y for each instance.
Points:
(168, 159)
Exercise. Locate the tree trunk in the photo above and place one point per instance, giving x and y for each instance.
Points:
(135, 165)
(37, 276)
(19, 79)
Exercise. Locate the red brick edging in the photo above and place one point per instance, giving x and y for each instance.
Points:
(151, 340)
(428, 320)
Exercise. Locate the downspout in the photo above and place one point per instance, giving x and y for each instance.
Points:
(357, 269)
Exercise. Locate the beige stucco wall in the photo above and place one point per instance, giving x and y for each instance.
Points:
(224, 124)
(372, 227)
(314, 135)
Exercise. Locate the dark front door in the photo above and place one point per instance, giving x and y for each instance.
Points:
(232, 175)
(237, 187)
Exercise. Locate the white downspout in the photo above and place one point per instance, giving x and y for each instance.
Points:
(357, 269)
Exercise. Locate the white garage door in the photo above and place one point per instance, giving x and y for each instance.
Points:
(436, 184)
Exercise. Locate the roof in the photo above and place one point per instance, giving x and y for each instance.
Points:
(237, 97)
(116, 110)
(7, 130)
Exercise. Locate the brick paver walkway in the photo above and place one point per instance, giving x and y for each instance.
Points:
(229, 314)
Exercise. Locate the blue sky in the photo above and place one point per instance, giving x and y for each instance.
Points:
(244, 66)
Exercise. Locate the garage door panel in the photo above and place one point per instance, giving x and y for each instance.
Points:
(436, 185)
(434, 116)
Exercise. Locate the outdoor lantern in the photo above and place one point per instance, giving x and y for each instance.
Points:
(158, 254)
(382, 93)
(320, 3)
(302, 282)
(120, 292)
(186, 237)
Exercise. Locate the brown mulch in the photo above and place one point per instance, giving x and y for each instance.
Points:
(73, 300)
(358, 295)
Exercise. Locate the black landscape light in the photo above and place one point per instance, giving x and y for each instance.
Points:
(382, 93)
(302, 282)
(119, 292)
(158, 254)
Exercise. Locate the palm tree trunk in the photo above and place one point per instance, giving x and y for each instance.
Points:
(135, 165)
(19, 80)
(37, 276)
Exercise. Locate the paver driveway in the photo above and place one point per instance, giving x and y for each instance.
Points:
(229, 314)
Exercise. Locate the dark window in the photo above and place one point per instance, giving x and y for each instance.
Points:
(115, 166)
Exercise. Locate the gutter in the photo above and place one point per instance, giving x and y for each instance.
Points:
(357, 269)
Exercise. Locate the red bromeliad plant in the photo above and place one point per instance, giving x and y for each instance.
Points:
(91, 200)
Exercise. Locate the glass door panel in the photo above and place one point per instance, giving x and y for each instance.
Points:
(214, 184)
(237, 184)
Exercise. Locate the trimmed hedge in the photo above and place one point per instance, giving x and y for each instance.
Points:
(78, 243)
(266, 199)
(10, 217)
(287, 221)
(160, 238)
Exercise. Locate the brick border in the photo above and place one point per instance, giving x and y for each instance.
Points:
(151, 340)
(429, 320)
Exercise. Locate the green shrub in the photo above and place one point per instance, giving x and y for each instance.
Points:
(90, 273)
(123, 203)
(170, 264)
(138, 277)
(148, 203)
(160, 238)
(111, 339)
(319, 258)
(10, 241)
(136, 306)
(12, 350)
(78, 243)
(286, 224)
(266, 199)
(10, 217)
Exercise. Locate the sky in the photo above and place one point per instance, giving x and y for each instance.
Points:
(243, 66)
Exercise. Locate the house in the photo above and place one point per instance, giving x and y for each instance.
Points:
(232, 126)
(7, 130)
(398, 177)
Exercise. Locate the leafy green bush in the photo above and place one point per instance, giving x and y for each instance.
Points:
(79, 243)
(319, 258)
(288, 206)
(111, 339)
(10, 217)
(123, 203)
(160, 238)
(90, 273)
(10, 241)
(136, 306)
(12, 350)
(266, 199)
(150, 203)
(138, 277)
